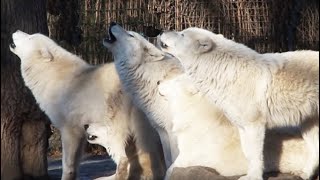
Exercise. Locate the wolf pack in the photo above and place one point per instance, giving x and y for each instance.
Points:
(195, 98)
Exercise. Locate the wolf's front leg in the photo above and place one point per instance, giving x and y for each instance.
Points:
(169, 172)
(174, 147)
(122, 169)
(165, 141)
(180, 161)
(72, 147)
(252, 140)
(310, 134)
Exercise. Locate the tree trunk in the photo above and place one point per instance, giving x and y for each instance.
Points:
(24, 127)
(63, 19)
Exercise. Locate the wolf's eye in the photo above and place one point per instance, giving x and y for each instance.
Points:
(182, 35)
(131, 35)
(163, 45)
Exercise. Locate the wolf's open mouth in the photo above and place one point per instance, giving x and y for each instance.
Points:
(111, 37)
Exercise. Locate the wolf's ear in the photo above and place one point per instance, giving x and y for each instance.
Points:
(46, 54)
(205, 45)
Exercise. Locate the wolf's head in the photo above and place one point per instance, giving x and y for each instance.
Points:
(31, 46)
(131, 47)
(191, 42)
(98, 133)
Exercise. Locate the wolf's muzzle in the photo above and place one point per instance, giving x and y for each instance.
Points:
(111, 38)
(12, 45)
(92, 137)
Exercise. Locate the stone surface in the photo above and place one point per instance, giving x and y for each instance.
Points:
(204, 173)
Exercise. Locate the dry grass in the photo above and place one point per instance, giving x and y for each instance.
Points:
(308, 30)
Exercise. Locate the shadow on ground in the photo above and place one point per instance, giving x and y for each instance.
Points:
(90, 168)
(101, 165)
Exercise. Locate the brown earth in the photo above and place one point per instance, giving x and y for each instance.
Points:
(94, 166)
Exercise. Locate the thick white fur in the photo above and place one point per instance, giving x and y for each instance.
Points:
(73, 93)
(114, 135)
(207, 138)
(256, 91)
(140, 66)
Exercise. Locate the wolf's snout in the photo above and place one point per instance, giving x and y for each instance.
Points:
(12, 45)
(19, 34)
(113, 24)
(111, 37)
(86, 126)
(92, 137)
(164, 31)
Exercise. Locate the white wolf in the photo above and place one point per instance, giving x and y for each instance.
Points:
(256, 91)
(206, 138)
(140, 66)
(73, 93)
(133, 158)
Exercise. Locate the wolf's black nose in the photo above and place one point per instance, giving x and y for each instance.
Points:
(12, 45)
(92, 137)
(161, 33)
(113, 24)
(86, 126)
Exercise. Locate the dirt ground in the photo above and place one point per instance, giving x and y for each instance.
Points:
(94, 166)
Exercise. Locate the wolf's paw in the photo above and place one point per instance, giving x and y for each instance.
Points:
(301, 174)
(247, 177)
(309, 172)
(112, 177)
(305, 176)
(146, 178)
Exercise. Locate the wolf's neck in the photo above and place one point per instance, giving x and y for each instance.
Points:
(218, 72)
(45, 79)
(121, 124)
(141, 82)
